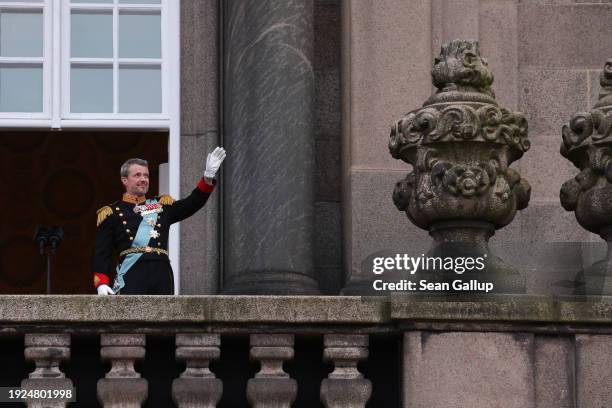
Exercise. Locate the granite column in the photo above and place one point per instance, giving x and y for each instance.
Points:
(269, 136)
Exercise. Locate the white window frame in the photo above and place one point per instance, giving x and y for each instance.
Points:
(9, 117)
(56, 92)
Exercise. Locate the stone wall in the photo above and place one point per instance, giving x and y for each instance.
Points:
(546, 57)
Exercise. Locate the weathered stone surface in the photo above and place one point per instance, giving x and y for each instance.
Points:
(554, 372)
(345, 386)
(200, 232)
(548, 222)
(594, 87)
(328, 227)
(510, 308)
(498, 37)
(47, 340)
(122, 393)
(468, 370)
(123, 340)
(586, 143)
(383, 74)
(327, 70)
(122, 386)
(454, 19)
(549, 97)
(593, 370)
(460, 145)
(366, 235)
(199, 130)
(544, 169)
(196, 393)
(199, 66)
(197, 386)
(296, 309)
(271, 387)
(564, 36)
(16, 308)
(47, 351)
(328, 169)
(269, 128)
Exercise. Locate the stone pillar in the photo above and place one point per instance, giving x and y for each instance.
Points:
(199, 273)
(47, 351)
(345, 387)
(272, 387)
(269, 137)
(122, 386)
(197, 386)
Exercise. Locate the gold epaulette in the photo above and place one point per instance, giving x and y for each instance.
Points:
(103, 213)
(165, 200)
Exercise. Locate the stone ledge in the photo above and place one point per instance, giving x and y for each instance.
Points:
(296, 310)
(503, 308)
(190, 309)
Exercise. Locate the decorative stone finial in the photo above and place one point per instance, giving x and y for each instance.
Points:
(460, 68)
(461, 145)
(587, 143)
(605, 80)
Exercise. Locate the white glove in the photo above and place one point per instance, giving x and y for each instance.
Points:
(213, 162)
(105, 290)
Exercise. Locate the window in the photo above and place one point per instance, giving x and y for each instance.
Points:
(63, 62)
(23, 58)
(94, 64)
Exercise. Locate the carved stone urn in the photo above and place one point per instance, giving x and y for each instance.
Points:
(587, 143)
(460, 145)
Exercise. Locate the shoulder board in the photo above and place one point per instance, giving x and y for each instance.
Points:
(103, 213)
(165, 200)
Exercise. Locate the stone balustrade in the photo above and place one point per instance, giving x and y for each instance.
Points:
(437, 339)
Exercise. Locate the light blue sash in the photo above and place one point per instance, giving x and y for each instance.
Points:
(140, 240)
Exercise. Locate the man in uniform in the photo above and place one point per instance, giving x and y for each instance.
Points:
(138, 228)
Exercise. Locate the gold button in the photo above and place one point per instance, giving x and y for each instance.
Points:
(159, 243)
(131, 238)
(121, 214)
(127, 230)
(117, 208)
(158, 225)
(124, 222)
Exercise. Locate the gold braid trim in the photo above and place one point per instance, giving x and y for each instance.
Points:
(103, 213)
(165, 200)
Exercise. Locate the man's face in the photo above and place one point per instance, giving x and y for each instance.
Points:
(137, 181)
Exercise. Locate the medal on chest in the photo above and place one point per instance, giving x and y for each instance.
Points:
(146, 209)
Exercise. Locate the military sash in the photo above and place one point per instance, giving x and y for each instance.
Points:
(149, 219)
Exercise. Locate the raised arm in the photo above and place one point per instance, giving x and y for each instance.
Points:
(188, 206)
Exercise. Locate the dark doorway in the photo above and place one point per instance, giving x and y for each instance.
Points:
(62, 178)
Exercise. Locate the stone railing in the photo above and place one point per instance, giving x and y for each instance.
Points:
(519, 332)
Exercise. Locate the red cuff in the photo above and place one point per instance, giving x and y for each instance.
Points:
(100, 279)
(205, 187)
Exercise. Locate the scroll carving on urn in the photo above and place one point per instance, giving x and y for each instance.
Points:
(587, 143)
(461, 144)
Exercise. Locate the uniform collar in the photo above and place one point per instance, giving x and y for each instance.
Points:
(128, 198)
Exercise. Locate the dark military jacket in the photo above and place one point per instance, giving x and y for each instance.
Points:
(118, 224)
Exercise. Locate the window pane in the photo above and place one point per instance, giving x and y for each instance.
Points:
(140, 89)
(139, 1)
(21, 88)
(91, 89)
(91, 34)
(22, 1)
(139, 35)
(21, 33)
(92, 1)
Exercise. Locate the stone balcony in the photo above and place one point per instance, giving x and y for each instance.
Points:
(524, 351)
